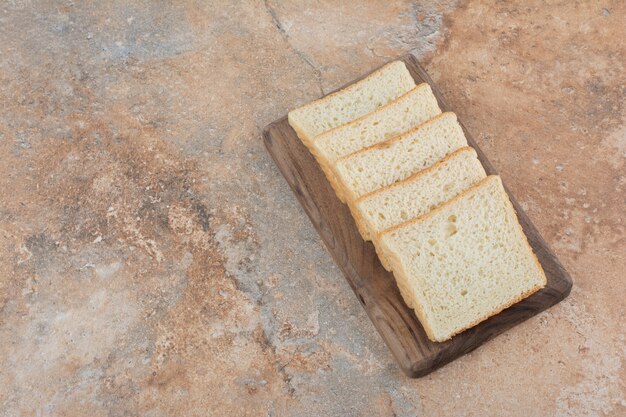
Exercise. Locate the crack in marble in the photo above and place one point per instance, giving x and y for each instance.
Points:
(301, 54)
(376, 54)
(266, 344)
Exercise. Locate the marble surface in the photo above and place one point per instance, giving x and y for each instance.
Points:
(154, 262)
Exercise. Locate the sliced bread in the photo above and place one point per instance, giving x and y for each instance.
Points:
(416, 195)
(399, 116)
(421, 192)
(383, 164)
(343, 106)
(395, 118)
(463, 262)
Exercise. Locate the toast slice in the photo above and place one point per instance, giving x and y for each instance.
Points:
(363, 97)
(383, 164)
(463, 262)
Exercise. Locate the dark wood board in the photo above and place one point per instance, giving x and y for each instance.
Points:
(374, 286)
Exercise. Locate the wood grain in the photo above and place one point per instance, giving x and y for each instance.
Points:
(374, 286)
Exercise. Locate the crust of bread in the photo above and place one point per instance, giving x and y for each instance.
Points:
(362, 225)
(384, 260)
(490, 314)
(334, 183)
(401, 278)
(303, 137)
(358, 220)
(519, 228)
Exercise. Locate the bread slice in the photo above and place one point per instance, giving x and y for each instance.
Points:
(343, 106)
(421, 192)
(383, 164)
(463, 262)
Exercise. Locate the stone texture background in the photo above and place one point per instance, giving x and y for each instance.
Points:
(154, 262)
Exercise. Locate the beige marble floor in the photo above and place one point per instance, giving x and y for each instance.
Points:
(154, 262)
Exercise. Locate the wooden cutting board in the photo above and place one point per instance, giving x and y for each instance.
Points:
(373, 285)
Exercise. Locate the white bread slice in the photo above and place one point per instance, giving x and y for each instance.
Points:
(383, 164)
(354, 101)
(421, 192)
(463, 262)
